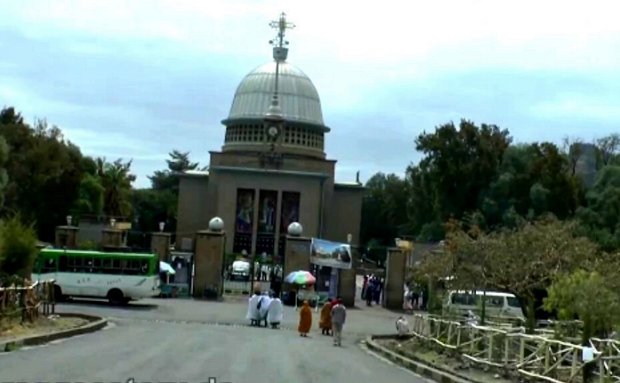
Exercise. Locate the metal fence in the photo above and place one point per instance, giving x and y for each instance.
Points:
(537, 356)
(27, 302)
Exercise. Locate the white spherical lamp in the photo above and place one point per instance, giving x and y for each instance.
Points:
(295, 229)
(216, 224)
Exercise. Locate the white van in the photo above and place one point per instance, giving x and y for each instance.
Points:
(498, 304)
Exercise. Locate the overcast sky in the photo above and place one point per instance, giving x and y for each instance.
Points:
(136, 79)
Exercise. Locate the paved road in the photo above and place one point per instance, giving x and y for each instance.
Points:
(144, 345)
(176, 340)
(360, 321)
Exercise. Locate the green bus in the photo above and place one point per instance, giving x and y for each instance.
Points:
(118, 277)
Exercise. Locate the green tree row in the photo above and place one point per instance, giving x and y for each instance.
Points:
(477, 175)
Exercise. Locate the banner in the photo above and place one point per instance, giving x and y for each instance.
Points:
(330, 254)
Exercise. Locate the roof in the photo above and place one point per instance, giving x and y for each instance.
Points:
(195, 173)
(487, 293)
(298, 98)
(102, 254)
(349, 185)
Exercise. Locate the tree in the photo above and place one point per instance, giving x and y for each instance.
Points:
(462, 163)
(384, 212)
(44, 172)
(4, 178)
(19, 247)
(600, 218)
(523, 261)
(91, 191)
(586, 295)
(169, 179)
(607, 148)
(116, 179)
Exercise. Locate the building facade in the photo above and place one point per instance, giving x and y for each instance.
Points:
(272, 169)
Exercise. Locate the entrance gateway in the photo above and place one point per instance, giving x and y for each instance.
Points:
(271, 171)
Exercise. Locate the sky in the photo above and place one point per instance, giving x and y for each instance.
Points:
(137, 79)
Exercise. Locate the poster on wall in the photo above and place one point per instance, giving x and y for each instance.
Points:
(290, 210)
(245, 211)
(267, 211)
(330, 254)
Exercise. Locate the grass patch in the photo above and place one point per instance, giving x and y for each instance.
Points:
(12, 329)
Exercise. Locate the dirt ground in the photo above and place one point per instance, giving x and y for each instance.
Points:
(39, 327)
(415, 350)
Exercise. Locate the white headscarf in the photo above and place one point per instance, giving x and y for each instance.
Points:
(402, 326)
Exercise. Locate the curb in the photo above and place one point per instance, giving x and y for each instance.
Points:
(417, 366)
(96, 323)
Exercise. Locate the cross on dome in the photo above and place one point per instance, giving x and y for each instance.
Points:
(281, 25)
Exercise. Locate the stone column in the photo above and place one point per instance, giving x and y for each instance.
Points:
(209, 261)
(347, 286)
(395, 273)
(112, 239)
(160, 245)
(296, 250)
(66, 236)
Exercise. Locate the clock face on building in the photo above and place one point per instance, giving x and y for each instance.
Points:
(273, 131)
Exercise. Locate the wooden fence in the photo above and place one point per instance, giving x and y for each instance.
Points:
(537, 356)
(27, 302)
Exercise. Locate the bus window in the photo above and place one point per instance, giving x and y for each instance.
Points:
(106, 265)
(62, 264)
(144, 267)
(97, 265)
(49, 266)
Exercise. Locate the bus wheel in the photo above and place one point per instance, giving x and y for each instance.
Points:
(115, 296)
(58, 297)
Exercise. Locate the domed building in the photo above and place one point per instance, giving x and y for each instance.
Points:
(272, 169)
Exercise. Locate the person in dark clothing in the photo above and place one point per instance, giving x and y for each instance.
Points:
(369, 291)
(378, 290)
(364, 287)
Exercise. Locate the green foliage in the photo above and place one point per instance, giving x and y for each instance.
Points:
(154, 206)
(44, 172)
(116, 179)
(90, 200)
(384, 209)
(4, 178)
(520, 261)
(586, 295)
(19, 247)
(88, 245)
(601, 217)
(168, 180)
(159, 204)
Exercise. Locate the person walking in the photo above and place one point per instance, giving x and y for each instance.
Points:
(305, 320)
(339, 315)
(325, 323)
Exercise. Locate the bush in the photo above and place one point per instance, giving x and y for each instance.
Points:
(18, 247)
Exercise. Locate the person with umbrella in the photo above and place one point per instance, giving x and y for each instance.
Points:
(300, 278)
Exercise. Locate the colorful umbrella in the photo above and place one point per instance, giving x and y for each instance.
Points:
(300, 278)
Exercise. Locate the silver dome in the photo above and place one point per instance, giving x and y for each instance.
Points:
(298, 97)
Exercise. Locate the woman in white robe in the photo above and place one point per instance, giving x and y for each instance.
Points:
(275, 313)
(264, 301)
(253, 313)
